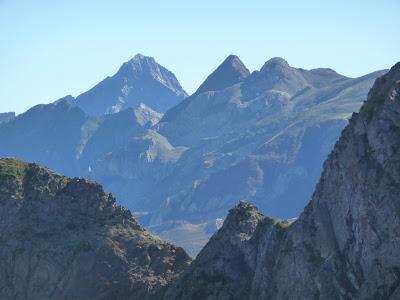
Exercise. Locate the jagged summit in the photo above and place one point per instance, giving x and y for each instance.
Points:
(146, 65)
(231, 71)
(140, 56)
(141, 79)
(243, 208)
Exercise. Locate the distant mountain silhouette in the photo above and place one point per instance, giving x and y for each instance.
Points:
(140, 80)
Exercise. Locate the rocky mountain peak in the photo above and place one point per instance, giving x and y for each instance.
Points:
(385, 89)
(275, 63)
(140, 63)
(143, 66)
(231, 71)
(245, 215)
(141, 79)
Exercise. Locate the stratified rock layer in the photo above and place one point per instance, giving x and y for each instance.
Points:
(346, 243)
(63, 238)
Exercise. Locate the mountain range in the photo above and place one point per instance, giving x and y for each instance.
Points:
(344, 245)
(179, 163)
(65, 238)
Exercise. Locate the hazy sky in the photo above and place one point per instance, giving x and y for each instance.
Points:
(51, 48)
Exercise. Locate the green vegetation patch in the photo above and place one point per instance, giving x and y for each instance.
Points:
(10, 167)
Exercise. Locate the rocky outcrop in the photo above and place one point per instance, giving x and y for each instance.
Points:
(345, 245)
(63, 238)
(140, 80)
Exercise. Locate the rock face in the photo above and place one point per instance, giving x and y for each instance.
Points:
(346, 243)
(5, 117)
(63, 238)
(140, 80)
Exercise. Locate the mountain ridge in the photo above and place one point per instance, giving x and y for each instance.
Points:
(266, 134)
(345, 243)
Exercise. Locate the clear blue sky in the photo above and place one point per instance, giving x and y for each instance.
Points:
(51, 48)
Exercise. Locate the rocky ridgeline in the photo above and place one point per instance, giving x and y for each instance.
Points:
(346, 243)
(63, 238)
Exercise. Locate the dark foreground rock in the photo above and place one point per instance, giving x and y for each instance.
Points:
(63, 238)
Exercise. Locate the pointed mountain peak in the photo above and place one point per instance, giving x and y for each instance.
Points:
(235, 62)
(230, 72)
(274, 64)
(140, 58)
(139, 63)
(141, 79)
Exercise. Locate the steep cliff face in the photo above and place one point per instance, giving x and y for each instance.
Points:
(346, 243)
(63, 238)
